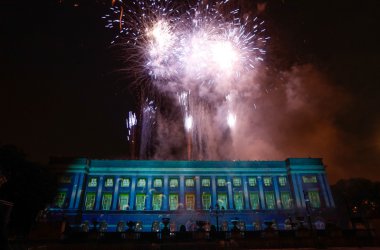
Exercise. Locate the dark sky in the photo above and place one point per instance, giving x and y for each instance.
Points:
(63, 94)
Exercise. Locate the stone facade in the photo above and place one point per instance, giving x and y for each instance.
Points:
(252, 192)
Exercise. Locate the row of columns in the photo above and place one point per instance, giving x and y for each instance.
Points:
(297, 194)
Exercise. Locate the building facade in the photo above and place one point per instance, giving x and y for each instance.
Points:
(252, 192)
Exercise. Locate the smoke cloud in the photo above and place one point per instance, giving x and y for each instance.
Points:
(278, 115)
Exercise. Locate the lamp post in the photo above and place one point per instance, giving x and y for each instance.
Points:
(217, 211)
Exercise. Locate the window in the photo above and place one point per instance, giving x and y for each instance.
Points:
(309, 179)
(173, 183)
(222, 200)
(252, 182)
(93, 182)
(189, 182)
(286, 200)
(141, 183)
(123, 201)
(267, 181)
(222, 182)
(282, 181)
(106, 201)
(236, 181)
(173, 201)
(109, 182)
(157, 183)
(255, 200)
(238, 201)
(190, 201)
(206, 200)
(270, 200)
(65, 179)
(315, 202)
(59, 200)
(90, 201)
(206, 182)
(125, 182)
(140, 201)
(157, 201)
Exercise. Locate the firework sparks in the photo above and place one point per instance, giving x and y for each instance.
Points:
(180, 49)
(231, 120)
(131, 122)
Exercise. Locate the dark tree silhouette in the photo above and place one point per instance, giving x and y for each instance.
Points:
(29, 186)
(357, 199)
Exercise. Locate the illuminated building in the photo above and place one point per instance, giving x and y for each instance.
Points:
(147, 191)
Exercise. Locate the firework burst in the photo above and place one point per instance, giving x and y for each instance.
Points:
(182, 49)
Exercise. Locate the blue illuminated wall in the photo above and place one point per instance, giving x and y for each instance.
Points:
(252, 191)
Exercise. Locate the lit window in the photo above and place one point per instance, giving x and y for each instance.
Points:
(123, 201)
(221, 182)
(222, 200)
(254, 200)
(109, 182)
(286, 200)
(157, 201)
(206, 200)
(173, 183)
(106, 201)
(93, 182)
(65, 179)
(315, 202)
(236, 181)
(309, 179)
(141, 183)
(157, 183)
(173, 201)
(282, 181)
(189, 182)
(267, 181)
(252, 182)
(238, 201)
(90, 201)
(59, 200)
(125, 182)
(190, 201)
(140, 202)
(206, 182)
(270, 200)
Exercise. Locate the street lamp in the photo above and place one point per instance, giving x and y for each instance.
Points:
(217, 211)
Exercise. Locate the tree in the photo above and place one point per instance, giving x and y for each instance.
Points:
(30, 186)
(357, 198)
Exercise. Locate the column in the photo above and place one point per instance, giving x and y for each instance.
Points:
(149, 195)
(327, 190)
(115, 193)
(198, 203)
(299, 181)
(230, 197)
(182, 191)
(277, 192)
(132, 199)
(165, 198)
(246, 194)
(74, 191)
(261, 191)
(99, 193)
(213, 190)
(295, 190)
(81, 189)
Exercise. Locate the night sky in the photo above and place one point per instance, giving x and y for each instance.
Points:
(63, 92)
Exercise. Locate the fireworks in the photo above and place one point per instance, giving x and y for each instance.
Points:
(182, 49)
